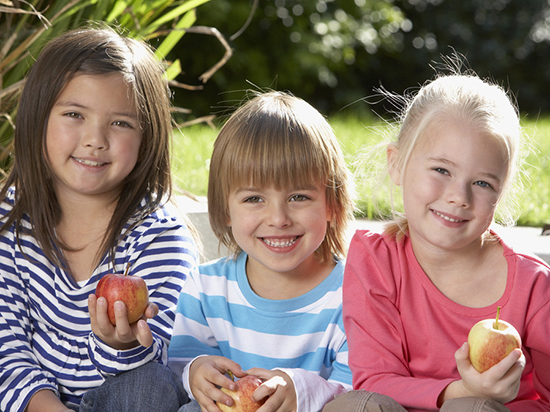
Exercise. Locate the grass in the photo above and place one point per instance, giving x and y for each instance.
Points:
(193, 146)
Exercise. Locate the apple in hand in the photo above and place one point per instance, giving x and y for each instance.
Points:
(242, 395)
(491, 340)
(131, 290)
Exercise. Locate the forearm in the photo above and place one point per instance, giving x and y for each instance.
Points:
(46, 401)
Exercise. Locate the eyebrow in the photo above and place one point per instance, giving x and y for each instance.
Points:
(69, 103)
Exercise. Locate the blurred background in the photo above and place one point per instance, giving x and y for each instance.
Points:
(332, 53)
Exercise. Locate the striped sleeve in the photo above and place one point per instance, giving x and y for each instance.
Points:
(45, 333)
(164, 259)
(219, 314)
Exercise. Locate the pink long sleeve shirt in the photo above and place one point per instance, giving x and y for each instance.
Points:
(403, 332)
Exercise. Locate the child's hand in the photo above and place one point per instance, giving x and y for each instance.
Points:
(123, 335)
(501, 382)
(278, 386)
(206, 374)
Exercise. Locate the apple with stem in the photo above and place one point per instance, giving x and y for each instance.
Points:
(242, 395)
(491, 340)
(131, 290)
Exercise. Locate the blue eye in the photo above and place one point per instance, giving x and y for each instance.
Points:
(481, 183)
(441, 170)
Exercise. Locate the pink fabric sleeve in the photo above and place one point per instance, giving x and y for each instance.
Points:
(378, 353)
(402, 332)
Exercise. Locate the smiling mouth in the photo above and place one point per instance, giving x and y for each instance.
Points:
(89, 162)
(447, 218)
(279, 242)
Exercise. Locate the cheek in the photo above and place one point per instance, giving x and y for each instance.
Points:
(129, 152)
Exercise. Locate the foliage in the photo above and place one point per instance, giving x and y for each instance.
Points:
(26, 26)
(193, 147)
(312, 48)
(334, 53)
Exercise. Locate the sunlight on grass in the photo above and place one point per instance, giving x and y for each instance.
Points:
(192, 149)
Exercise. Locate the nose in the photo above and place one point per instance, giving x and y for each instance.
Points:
(95, 137)
(278, 215)
(459, 193)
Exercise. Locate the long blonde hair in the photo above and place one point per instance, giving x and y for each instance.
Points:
(474, 101)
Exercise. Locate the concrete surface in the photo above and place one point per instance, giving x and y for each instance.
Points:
(522, 239)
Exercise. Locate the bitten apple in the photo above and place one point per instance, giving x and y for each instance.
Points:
(242, 395)
(131, 290)
(491, 340)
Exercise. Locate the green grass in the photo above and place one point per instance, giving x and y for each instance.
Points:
(193, 146)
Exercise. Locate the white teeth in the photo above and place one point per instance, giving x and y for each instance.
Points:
(88, 162)
(278, 243)
(450, 219)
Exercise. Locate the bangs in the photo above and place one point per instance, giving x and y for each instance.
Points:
(277, 157)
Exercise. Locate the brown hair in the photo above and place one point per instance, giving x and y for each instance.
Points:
(89, 51)
(278, 139)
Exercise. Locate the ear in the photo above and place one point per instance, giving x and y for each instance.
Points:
(392, 154)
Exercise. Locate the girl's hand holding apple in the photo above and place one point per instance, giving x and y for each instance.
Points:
(501, 382)
(123, 335)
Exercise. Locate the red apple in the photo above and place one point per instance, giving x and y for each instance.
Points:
(242, 395)
(131, 290)
(491, 340)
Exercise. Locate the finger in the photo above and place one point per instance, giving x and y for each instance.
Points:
(462, 358)
(102, 318)
(151, 311)
(506, 365)
(268, 388)
(120, 313)
(92, 302)
(263, 374)
(143, 333)
(209, 405)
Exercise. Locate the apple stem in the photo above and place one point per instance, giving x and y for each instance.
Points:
(231, 375)
(496, 320)
(127, 269)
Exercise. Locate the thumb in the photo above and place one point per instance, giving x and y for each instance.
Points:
(462, 357)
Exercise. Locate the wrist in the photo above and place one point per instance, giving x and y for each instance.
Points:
(453, 390)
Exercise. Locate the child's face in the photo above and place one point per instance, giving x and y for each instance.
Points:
(93, 136)
(279, 229)
(451, 186)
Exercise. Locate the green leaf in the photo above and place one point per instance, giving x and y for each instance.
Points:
(175, 35)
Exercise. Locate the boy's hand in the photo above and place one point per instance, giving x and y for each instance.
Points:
(501, 382)
(123, 335)
(279, 387)
(206, 375)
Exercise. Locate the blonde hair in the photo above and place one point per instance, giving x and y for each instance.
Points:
(479, 103)
(278, 139)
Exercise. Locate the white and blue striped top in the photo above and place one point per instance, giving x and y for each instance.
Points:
(45, 335)
(219, 314)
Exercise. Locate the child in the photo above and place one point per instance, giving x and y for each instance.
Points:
(84, 199)
(412, 294)
(279, 200)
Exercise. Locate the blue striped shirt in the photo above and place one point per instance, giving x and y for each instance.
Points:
(219, 314)
(45, 334)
